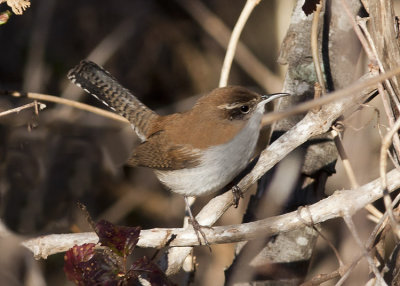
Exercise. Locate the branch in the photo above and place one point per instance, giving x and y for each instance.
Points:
(340, 203)
(346, 92)
(64, 101)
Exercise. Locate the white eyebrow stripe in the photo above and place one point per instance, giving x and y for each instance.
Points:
(230, 106)
(234, 105)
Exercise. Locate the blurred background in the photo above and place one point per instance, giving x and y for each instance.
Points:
(165, 54)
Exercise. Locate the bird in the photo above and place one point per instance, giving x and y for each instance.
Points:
(193, 153)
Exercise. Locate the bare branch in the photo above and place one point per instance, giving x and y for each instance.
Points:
(348, 201)
(350, 224)
(26, 106)
(348, 91)
(72, 103)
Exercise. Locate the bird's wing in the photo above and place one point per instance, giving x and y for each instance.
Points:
(158, 153)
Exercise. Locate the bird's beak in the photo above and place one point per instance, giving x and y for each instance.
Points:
(270, 97)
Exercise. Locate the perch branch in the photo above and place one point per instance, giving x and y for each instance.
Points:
(341, 202)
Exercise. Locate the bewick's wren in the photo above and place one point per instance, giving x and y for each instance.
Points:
(194, 153)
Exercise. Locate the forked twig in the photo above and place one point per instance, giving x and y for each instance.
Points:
(37, 105)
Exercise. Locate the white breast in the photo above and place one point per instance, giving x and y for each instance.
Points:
(219, 164)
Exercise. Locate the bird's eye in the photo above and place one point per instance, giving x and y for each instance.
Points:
(244, 109)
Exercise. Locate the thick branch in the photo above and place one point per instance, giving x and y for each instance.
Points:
(341, 202)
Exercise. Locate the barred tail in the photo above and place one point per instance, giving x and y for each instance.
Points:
(102, 85)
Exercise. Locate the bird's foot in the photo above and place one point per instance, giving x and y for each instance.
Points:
(196, 226)
(199, 232)
(237, 194)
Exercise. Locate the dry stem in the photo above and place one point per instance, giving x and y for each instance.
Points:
(237, 30)
(35, 104)
(213, 25)
(72, 103)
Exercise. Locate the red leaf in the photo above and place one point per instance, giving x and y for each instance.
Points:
(74, 257)
(121, 239)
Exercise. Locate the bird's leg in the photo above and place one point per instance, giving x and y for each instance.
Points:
(237, 194)
(195, 224)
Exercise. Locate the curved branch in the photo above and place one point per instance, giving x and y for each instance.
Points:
(69, 102)
(233, 41)
(220, 33)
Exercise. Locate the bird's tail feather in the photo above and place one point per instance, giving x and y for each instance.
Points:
(101, 84)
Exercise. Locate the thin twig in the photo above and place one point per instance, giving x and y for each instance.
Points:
(348, 91)
(362, 22)
(75, 104)
(386, 142)
(370, 242)
(312, 224)
(358, 32)
(317, 95)
(386, 104)
(314, 47)
(350, 224)
(237, 30)
(350, 171)
(321, 278)
(345, 159)
(390, 115)
(34, 104)
(213, 25)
